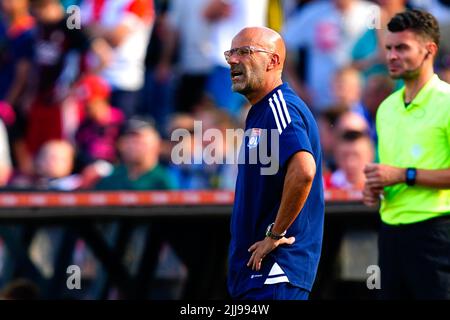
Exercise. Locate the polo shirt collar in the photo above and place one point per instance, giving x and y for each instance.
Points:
(422, 95)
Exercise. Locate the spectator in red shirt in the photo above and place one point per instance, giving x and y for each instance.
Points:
(98, 132)
(57, 56)
(60, 57)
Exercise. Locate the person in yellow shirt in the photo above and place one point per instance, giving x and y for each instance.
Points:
(412, 178)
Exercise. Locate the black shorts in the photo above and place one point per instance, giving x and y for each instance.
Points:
(414, 260)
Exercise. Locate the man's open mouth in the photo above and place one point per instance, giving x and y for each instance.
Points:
(236, 74)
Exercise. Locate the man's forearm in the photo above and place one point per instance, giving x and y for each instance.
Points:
(439, 179)
(169, 45)
(381, 175)
(297, 185)
(19, 83)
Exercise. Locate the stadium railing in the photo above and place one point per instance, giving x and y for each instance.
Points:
(196, 224)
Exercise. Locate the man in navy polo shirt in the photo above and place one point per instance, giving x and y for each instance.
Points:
(277, 221)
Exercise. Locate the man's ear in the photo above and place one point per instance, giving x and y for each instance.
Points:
(274, 62)
(432, 49)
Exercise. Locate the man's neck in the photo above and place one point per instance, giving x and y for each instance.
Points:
(413, 86)
(57, 14)
(345, 7)
(17, 16)
(103, 113)
(256, 97)
(136, 170)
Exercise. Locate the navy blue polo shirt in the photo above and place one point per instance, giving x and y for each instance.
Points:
(277, 127)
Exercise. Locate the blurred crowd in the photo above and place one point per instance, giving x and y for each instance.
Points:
(91, 90)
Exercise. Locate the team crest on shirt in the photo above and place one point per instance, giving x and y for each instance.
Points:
(254, 138)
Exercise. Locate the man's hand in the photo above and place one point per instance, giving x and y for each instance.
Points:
(262, 248)
(163, 72)
(380, 175)
(371, 197)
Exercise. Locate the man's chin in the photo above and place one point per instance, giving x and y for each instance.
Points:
(238, 87)
(404, 75)
(396, 75)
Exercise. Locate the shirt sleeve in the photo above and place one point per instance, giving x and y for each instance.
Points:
(25, 48)
(293, 138)
(79, 40)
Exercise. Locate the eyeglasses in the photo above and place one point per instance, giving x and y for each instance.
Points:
(243, 51)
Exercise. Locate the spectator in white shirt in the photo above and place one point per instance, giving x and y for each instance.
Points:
(328, 31)
(126, 26)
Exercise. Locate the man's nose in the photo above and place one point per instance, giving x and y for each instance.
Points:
(232, 59)
(391, 55)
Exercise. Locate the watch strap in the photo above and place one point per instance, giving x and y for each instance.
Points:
(273, 235)
(411, 174)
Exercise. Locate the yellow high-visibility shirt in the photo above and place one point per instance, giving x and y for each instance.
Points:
(415, 136)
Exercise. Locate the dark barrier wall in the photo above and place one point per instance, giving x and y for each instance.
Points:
(194, 225)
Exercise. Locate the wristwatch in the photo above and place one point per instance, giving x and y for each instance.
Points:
(411, 174)
(272, 235)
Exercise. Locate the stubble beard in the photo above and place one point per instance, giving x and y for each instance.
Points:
(249, 84)
(406, 75)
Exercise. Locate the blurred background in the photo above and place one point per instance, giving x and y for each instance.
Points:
(90, 92)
